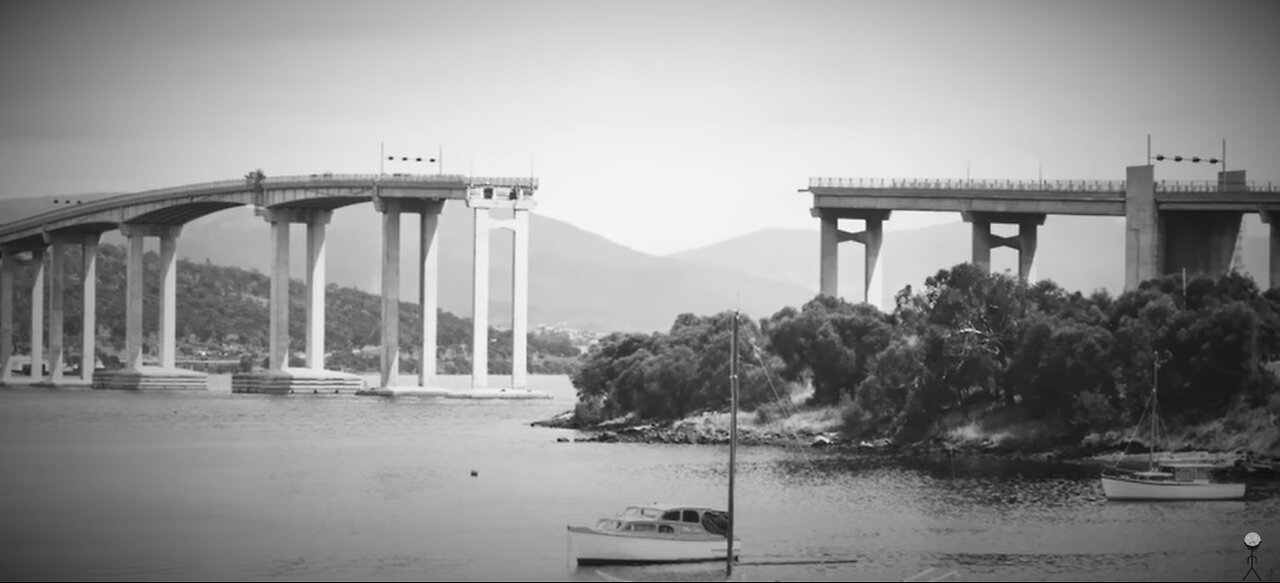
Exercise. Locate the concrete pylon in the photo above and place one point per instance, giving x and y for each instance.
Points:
(871, 237)
(278, 331)
(1024, 242)
(428, 289)
(8, 262)
(518, 199)
(133, 298)
(520, 300)
(316, 257)
(89, 309)
(168, 328)
(37, 313)
(480, 299)
(390, 353)
(828, 253)
(57, 311)
(1142, 227)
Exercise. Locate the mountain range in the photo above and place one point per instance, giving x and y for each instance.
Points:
(585, 281)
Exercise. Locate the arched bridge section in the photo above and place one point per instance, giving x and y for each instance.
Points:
(281, 201)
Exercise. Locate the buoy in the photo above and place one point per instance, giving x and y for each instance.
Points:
(474, 473)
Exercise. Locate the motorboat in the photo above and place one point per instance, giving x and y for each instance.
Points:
(654, 533)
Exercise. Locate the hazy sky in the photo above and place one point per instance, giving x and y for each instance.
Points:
(661, 125)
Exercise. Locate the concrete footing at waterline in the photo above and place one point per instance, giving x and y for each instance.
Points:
(44, 383)
(296, 381)
(494, 394)
(151, 378)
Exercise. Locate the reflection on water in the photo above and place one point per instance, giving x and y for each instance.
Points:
(144, 486)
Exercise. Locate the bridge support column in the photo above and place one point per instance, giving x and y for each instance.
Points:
(428, 289)
(37, 313)
(169, 296)
(278, 328)
(1024, 242)
(280, 378)
(480, 299)
(1270, 218)
(872, 237)
(316, 226)
(1142, 227)
(133, 299)
(57, 302)
(520, 300)
(981, 244)
(828, 253)
(89, 309)
(8, 262)
(390, 355)
(135, 376)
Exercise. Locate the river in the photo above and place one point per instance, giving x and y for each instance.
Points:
(100, 485)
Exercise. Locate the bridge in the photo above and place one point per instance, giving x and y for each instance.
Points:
(1169, 226)
(281, 202)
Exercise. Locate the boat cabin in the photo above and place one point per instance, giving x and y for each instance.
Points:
(672, 520)
(1180, 472)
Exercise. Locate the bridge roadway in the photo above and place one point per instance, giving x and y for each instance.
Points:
(1170, 225)
(281, 201)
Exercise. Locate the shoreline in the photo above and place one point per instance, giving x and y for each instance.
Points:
(700, 430)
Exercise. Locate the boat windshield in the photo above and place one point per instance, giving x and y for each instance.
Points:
(642, 512)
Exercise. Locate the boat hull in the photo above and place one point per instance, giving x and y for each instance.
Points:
(1117, 488)
(593, 547)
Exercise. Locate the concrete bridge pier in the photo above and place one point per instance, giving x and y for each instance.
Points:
(428, 288)
(480, 296)
(135, 374)
(390, 354)
(872, 237)
(1270, 218)
(1024, 242)
(37, 313)
(279, 377)
(57, 267)
(89, 308)
(520, 203)
(8, 263)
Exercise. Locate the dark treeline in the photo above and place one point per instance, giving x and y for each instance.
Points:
(222, 313)
(970, 345)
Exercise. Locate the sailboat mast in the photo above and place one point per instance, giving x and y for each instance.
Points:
(1155, 408)
(733, 436)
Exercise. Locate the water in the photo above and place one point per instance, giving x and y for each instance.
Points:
(144, 486)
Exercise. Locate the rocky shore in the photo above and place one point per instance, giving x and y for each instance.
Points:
(1100, 449)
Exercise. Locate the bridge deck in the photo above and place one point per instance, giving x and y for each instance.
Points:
(178, 205)
(1067, 197)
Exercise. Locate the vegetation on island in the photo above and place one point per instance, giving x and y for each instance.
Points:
(222, 322)
(974, 355)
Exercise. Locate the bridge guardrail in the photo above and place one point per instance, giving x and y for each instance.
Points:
(1081, 186)
(1084, 186)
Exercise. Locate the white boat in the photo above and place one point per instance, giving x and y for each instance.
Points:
(668, 533)
(654, 533)
(1171, 481)
(1167, 480)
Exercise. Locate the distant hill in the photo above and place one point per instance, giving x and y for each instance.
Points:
(1079, 253)
(577, 278)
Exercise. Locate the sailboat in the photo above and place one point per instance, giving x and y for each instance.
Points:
(1167, 480)
(668, 533)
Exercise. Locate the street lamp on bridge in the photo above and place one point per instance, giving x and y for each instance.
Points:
(1192, 159)
(383, 158)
